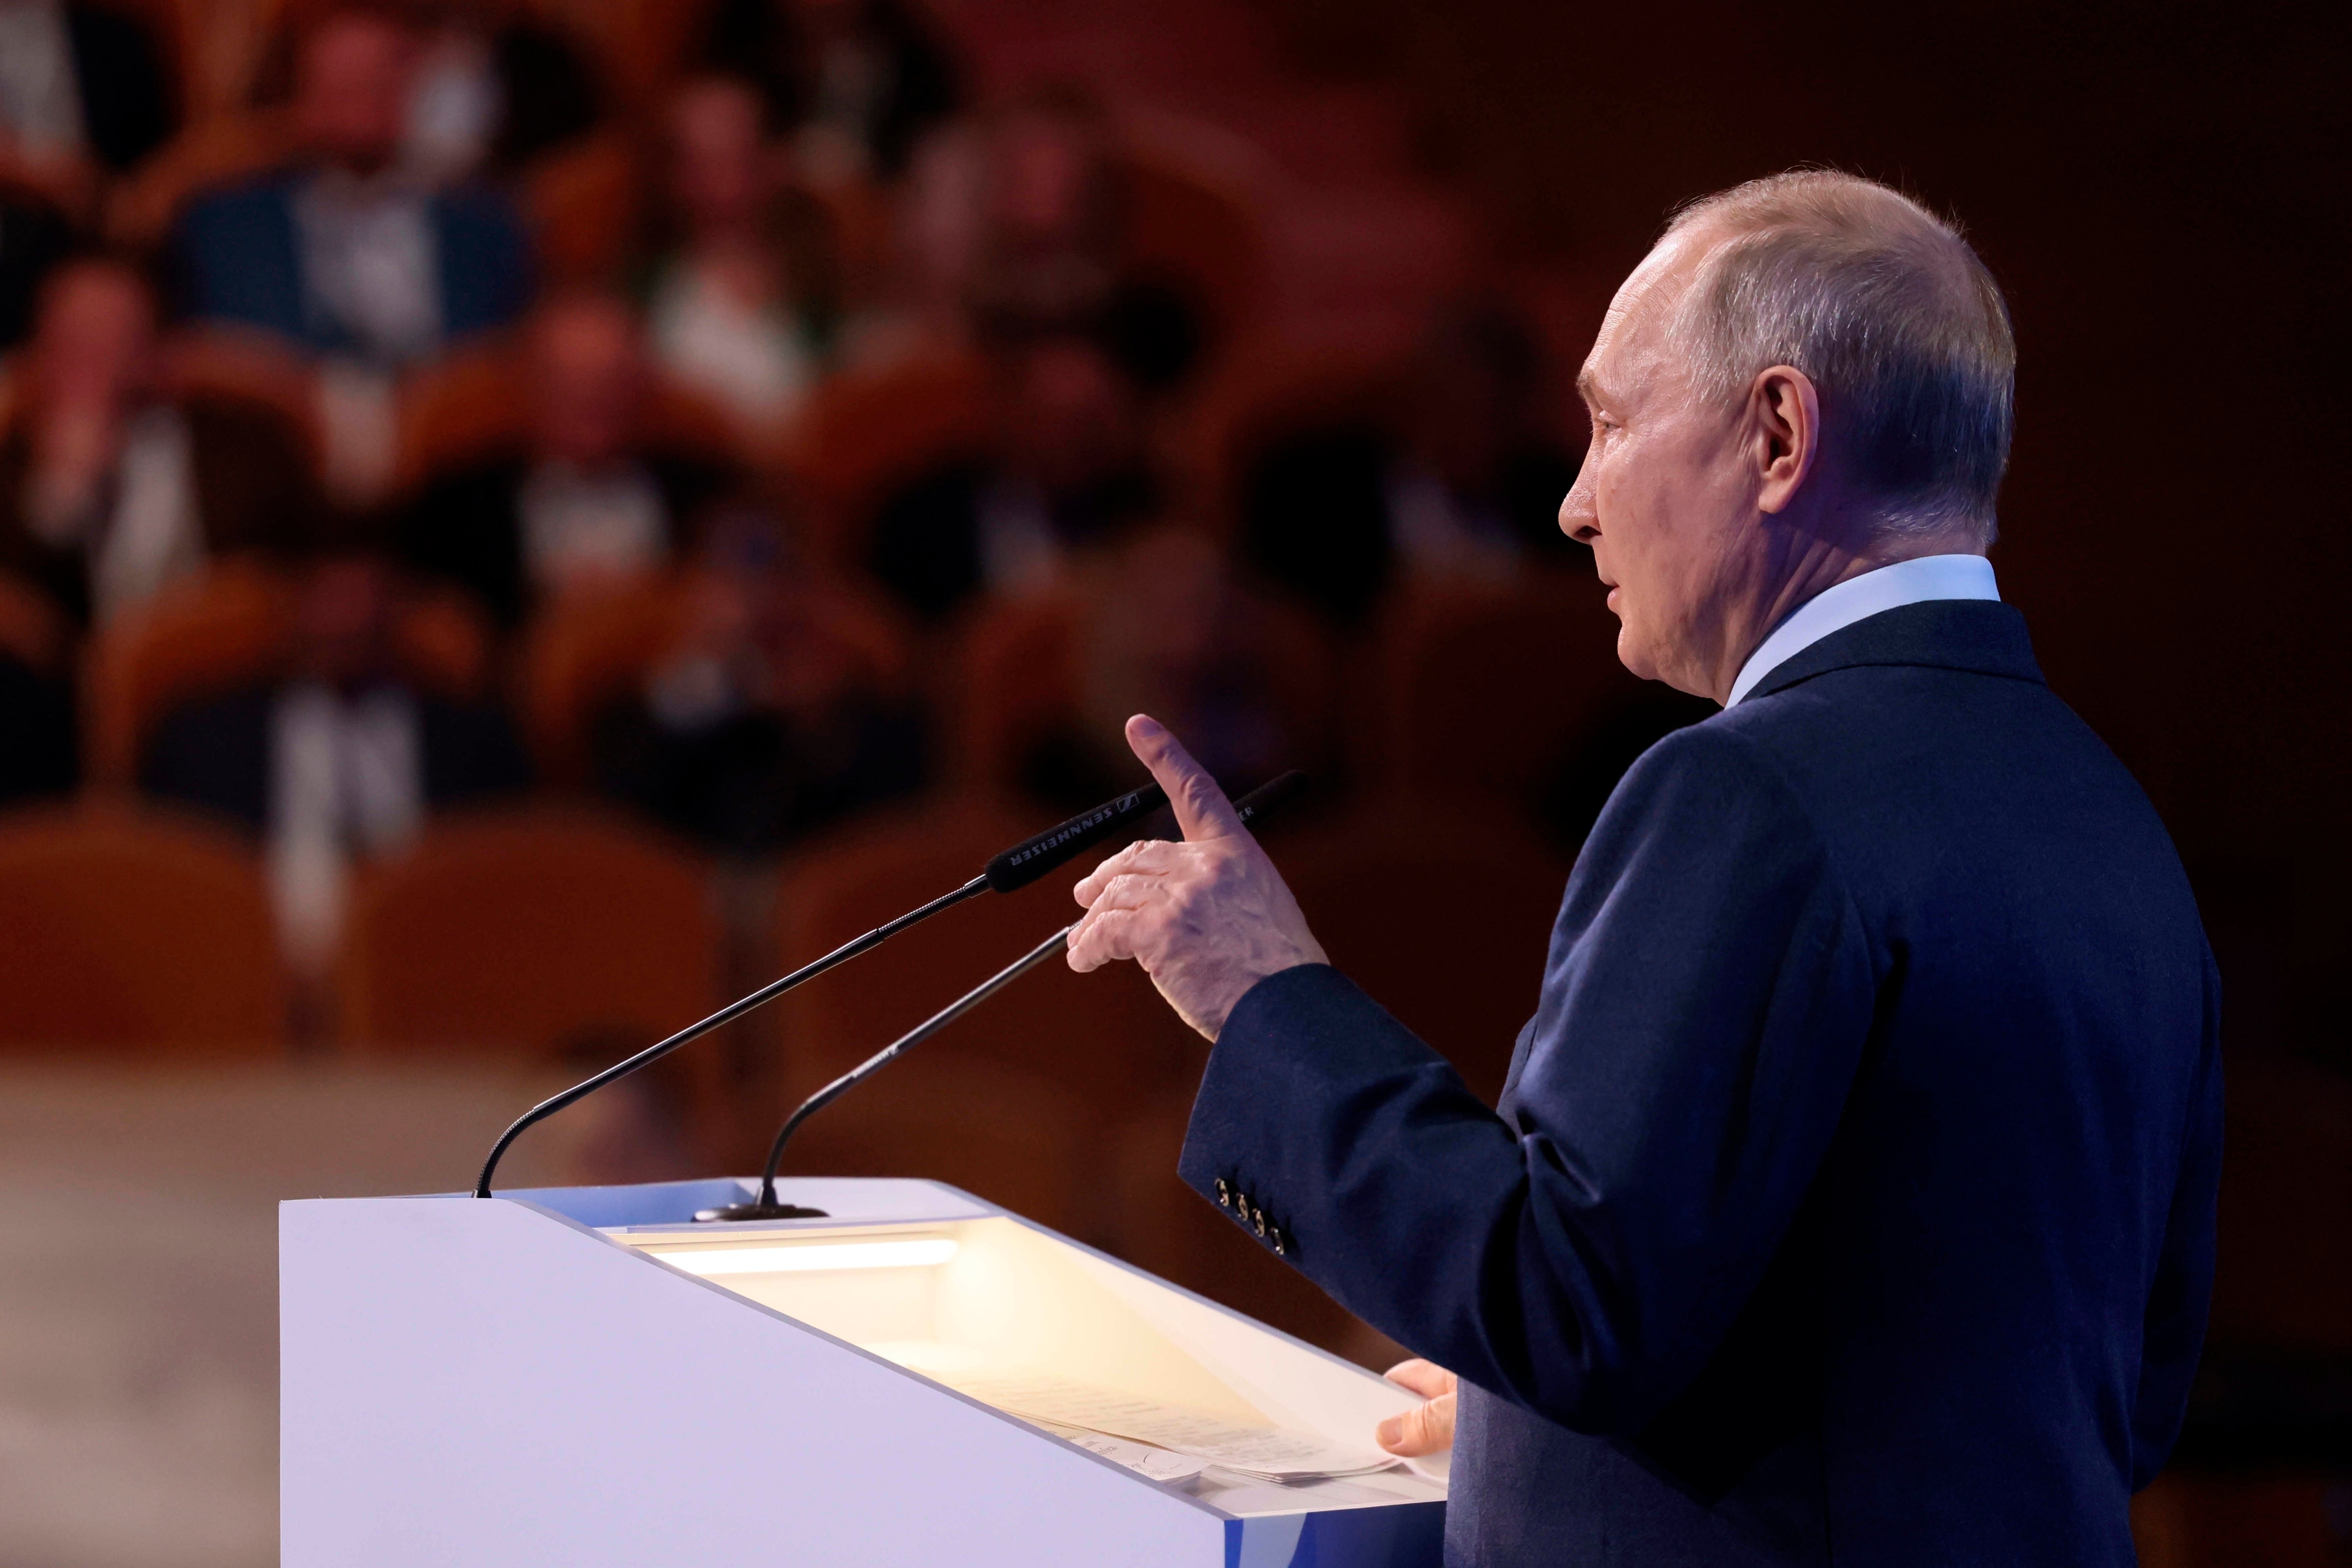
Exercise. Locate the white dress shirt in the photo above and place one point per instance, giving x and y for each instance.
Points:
(370, 263)
(580, 526)
(346, 779)
(1835, 608)
(40, 94)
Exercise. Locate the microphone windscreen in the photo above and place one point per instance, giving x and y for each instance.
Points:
(1027, 861)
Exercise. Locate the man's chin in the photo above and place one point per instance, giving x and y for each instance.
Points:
(1633, 654)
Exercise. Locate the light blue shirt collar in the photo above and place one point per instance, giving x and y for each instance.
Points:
(1839, 606)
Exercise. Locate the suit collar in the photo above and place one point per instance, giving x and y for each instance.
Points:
(1983, 636)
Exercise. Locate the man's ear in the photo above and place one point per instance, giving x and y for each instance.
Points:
(1784, 415)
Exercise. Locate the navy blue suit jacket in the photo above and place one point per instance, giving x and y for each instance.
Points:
(240, 260)
(1851, 1199)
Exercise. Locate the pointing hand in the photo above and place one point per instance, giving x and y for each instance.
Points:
(1208, 918)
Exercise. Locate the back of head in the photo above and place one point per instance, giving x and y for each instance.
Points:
(1887, 310)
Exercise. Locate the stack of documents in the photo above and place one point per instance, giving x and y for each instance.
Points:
(1180, 1436)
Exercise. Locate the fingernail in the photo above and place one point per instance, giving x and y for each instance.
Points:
(1148, 725)
(1390, 1432)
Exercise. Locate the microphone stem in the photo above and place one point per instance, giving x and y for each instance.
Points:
(1057, 942)
(733, 1010)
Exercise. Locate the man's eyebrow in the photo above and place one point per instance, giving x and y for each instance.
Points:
(1588, 387)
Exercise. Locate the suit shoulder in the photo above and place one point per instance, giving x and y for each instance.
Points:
(1709, 781)
(1712, 755)
(480, 206)
(256, 198)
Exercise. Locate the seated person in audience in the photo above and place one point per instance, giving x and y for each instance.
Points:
(783, 708)
(1468, 489)
(1022, 218)
(854, 82)
(1050, 209)
(1069, 469)
(340, 759)
(740, 298)
(495, 87)
(587, 500)
(344, 252)
(110, 487)
(1163, 624)
(84, 95)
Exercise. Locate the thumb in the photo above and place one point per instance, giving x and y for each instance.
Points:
(1424, 1429)
(1201, 806)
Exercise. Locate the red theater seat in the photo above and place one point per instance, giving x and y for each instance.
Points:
(122, 928)
(531, 933)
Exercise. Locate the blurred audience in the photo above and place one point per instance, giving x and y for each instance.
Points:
(112, 488)
(495, 87)
(1022, 218)
(1069, 467)
(781, 707)
(84, 90)
(742, 293)
(1165, 628)
(345, 252)
(1467, 487)
(588, 498)
(854, 83)
(1050, 207)
(84, 94)
(340, 759)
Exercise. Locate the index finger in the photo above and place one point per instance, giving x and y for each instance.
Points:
(1201, 806)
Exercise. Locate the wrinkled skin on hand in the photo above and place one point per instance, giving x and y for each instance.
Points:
(1208, 918)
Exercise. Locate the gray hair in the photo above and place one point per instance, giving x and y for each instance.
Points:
(1887, 310)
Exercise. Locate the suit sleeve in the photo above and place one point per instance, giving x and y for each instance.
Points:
(1706, 1005)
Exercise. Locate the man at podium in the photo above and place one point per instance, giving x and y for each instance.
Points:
(1851, 1198)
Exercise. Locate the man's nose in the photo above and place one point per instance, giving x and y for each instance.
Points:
(1578, 517)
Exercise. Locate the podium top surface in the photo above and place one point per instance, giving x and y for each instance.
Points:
(671, 1205)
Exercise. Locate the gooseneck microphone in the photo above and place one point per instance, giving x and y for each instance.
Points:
(1251, 808)
(1016, 868)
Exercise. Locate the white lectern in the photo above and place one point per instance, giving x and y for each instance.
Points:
(583, 1376)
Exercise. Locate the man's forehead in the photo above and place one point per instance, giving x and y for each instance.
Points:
(1634, 323)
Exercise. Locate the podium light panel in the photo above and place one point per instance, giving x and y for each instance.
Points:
(810, 1257)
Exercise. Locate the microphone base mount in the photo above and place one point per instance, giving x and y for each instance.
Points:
(730, 1213)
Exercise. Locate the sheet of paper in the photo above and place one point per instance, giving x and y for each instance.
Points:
(1158, 1464)
(1252, 1450)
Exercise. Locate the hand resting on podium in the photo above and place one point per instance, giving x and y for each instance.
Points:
(1208, 918)
(1428, 1427)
